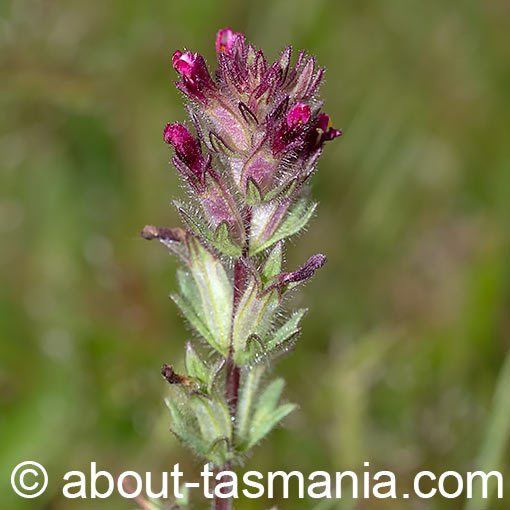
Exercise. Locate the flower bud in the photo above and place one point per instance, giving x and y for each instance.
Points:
(306, 271)
(196, 81)
(186, 147)
(290, 133)
(184, 63)
(225, 40)
(298, 116)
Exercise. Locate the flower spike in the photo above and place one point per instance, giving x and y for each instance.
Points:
(257, 134)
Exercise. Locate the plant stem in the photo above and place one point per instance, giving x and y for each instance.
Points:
(233, 376)
(233, 370)
(222, 503)
(232, 389)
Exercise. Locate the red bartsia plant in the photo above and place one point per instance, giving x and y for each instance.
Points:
(254, 137)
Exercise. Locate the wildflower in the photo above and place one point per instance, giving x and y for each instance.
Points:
(186, 147)
(257, 134)
(225, 40)
(196, 81)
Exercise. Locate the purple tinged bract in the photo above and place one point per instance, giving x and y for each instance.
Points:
(256, 134)
(261, 129)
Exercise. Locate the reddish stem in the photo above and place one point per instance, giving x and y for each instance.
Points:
(233, 376)
(233, 370)
(222, 503)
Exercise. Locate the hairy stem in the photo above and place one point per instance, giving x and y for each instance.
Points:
(233, 376)
(234, 371)
(222, 503)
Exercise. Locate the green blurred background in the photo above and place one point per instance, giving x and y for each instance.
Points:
(402, 358)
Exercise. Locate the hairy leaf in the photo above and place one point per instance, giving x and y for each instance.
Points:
(195, 367)
(189, 302)
(215, 426)
(215, 292)
(223, 241)
(249, 385)
(267, 413)
(273, 264)
(185, 430)
(294, 221)
(285, 332)
(253, 317)
(253, 193)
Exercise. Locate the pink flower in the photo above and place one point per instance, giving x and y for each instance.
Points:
(321, 132)
(225, 40)
(196, 81)
(184, 63)
(187, 148)
(290, 134)
(261, 129)
(298, 116)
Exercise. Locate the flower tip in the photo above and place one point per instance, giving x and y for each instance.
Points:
(333, 133)
(306, 271)
(318, 260)
(176, 56)
(311, 265)
(166, 134)
(298, 115)
(184, 63)
(185, 145)
(175, 134)
(324, 132)
(225, 39)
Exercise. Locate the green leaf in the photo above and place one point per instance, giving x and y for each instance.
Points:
(269, 398)
(285, 332)
(295, 221)
(190, 304)
(265, 218)
(195, 367)
(189, 313)
(223, 241)
(215, 426)
(214, 370)
(493, 454)
(215, 291)
(220, 239)
(185, 430)
(262, 428)
(273, 264)
(177, 418)
(267, 415)
(184, 501)
(195, 225)
(284, 190)
(249, 385)
(212, 416)
(253, 193)
(153, 504)
(253, 316)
